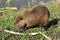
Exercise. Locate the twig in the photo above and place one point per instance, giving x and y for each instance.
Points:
(28, 34)
(20, 33)
(45, 36)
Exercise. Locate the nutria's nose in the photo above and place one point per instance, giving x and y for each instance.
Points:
(15, 24)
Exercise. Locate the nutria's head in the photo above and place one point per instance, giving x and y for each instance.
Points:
(20, 24)
(20, 17)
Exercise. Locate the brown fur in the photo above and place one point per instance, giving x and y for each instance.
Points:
(38, 15)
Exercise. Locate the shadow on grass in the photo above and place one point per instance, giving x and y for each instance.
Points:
(52, 23)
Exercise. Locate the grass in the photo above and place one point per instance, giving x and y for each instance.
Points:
(7, 19)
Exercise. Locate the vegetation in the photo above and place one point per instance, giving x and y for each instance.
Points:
(7, 20)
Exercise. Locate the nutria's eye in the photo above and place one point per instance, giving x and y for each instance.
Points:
(21, 18)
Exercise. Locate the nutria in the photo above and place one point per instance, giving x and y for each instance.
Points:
(38, 15)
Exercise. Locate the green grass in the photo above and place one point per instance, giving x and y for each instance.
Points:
(7, 20)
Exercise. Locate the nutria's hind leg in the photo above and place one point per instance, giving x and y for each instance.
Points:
(44, 25)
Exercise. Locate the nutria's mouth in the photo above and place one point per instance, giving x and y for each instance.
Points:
(25, 25)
